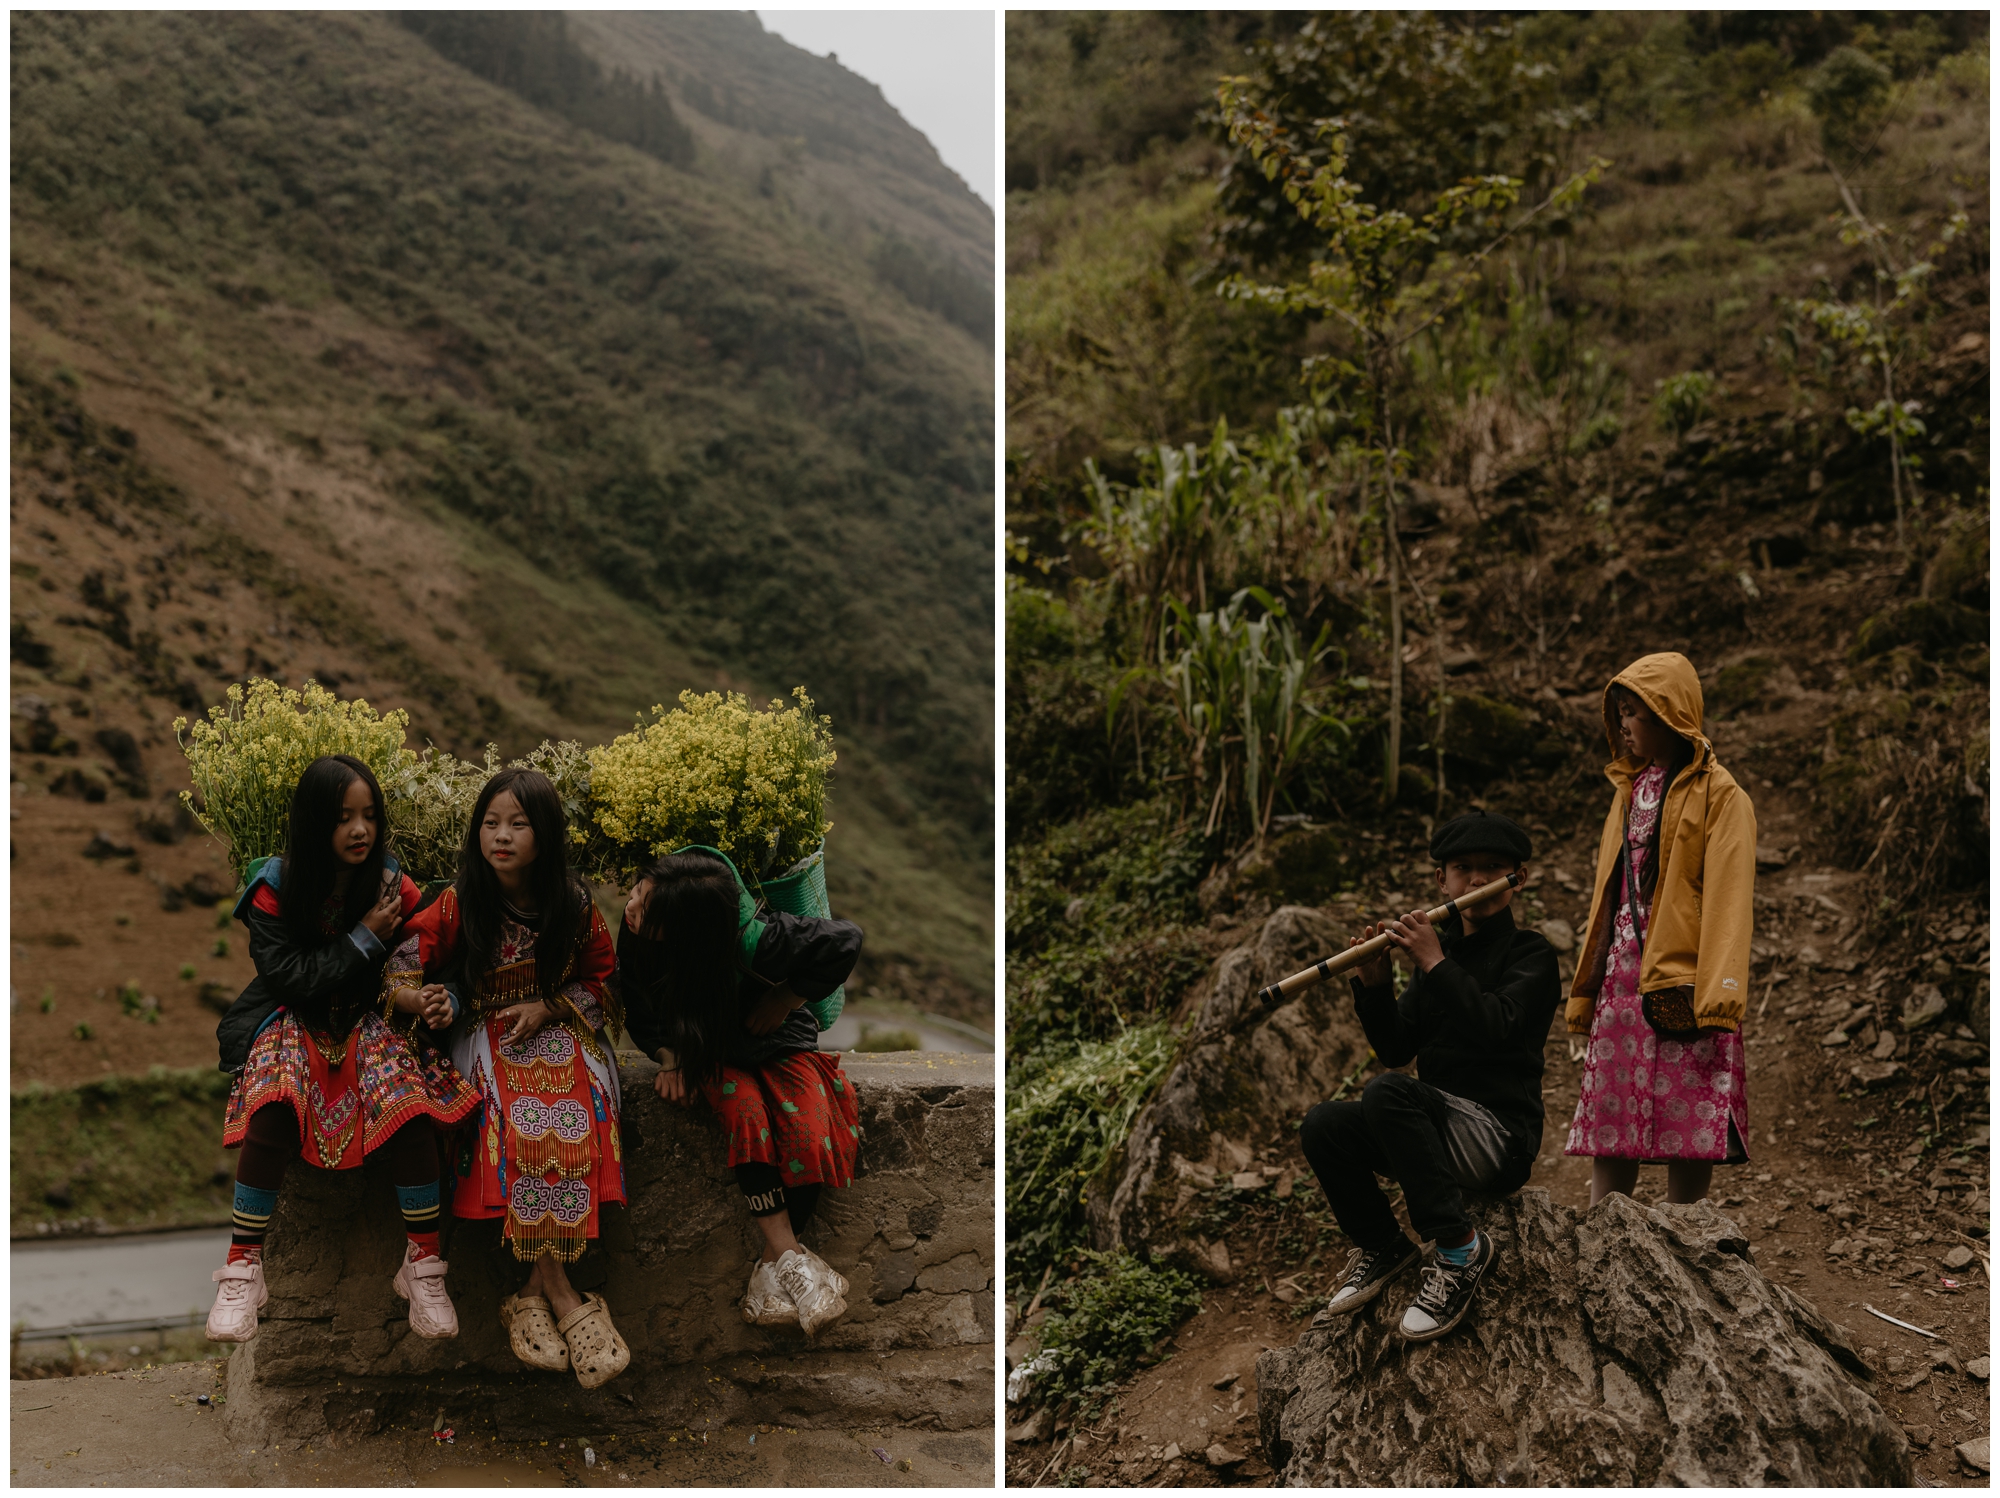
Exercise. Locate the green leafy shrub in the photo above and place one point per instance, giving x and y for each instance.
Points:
(1107, 1319)
(1066, 1112)
(1683, 400)
(1847, 94)
(1086, 989)
(1059, 759)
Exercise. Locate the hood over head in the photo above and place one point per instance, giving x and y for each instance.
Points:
(1667, 684)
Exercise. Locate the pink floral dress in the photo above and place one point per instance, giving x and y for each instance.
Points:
(1644, 1097)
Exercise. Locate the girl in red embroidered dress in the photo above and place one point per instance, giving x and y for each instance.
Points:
(523, 953)
(320, 1060)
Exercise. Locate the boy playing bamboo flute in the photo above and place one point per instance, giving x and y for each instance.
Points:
(1474, 1018)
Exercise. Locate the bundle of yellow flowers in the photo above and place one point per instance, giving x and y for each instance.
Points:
(246, 758)
(716, 771)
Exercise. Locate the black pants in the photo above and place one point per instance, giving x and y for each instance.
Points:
(768, 1195)
(1395, 1130)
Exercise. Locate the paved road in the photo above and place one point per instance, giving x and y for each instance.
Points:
(847, 1030)
(78, 1281)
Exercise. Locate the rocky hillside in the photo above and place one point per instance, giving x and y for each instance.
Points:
(333, 359)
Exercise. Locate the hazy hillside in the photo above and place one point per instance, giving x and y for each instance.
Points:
(330, 358)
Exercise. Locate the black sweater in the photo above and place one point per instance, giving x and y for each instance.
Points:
(1476, 1025)
(813, 956)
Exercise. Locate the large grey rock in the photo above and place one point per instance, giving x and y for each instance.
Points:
(1624, 1347)
(913, 1235)
(1245, 1073)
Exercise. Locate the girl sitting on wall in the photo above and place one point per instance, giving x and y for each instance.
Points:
(727, 1021)
(318, 1058)
(524, 957)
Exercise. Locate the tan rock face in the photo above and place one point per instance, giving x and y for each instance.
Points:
(1624, 1347)
(914, 1235)
(1245, 1070)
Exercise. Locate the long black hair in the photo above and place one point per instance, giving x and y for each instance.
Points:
(1677, 760)
(691, 914)
(561, 900)
(306, 877)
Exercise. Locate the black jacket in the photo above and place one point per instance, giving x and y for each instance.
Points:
(329, 985)
(1477, 1024)
(814, 956)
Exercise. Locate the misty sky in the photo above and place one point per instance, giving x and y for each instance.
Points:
(934, 66)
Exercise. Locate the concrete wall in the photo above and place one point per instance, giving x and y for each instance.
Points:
(914, 1236)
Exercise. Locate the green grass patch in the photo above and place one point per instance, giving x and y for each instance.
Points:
(124, 1152)
(1066, 1112)
(1106, 1320)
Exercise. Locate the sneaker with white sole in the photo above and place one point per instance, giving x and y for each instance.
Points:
(765, 1303)
(811, 1286)
(239, 1295)
(1447, 1293)
(834, 1276)
(421, 1283)
(1367, 1273)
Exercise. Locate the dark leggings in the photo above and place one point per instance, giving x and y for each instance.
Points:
(271, 1142)
(768, 1194)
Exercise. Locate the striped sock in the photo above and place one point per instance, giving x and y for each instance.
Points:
(249, 1221)
(421, 1206)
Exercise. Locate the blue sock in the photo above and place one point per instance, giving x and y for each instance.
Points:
(250, 1215)
(1462, 1255)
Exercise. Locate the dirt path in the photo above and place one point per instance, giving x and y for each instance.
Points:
(146, 1429)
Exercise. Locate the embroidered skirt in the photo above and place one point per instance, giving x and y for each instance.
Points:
(543, 1149)
(797, 1113)
(350, 1094)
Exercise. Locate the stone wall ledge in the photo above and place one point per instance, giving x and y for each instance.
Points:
(914, 1236)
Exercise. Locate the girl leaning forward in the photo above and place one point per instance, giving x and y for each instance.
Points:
(522, 951)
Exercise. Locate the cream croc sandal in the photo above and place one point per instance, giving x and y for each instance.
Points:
(597, 1354)
(421, 1283)
(765, 1303)
(811, 1285)
(239, 1295)
(531, 1332)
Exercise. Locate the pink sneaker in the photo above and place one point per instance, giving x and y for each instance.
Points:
(239, 1295)
(421, 1283)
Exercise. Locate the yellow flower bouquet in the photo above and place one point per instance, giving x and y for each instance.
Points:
(246, 758)
(716, 771)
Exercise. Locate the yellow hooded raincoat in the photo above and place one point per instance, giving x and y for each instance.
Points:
(1699, 928)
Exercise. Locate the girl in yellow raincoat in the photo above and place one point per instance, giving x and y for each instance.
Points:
(1665, 960)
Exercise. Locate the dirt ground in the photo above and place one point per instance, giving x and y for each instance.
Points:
(1840, 1200)
(146, 1428)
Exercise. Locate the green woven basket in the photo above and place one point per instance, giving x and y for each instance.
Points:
(801, 890)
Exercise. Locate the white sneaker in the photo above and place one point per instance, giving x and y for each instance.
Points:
(811, 1286)
(421, 1283)
(239, 1295)
(765, 1303)
(838, 1279)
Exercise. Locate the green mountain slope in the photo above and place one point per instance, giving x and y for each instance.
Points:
(581, 427)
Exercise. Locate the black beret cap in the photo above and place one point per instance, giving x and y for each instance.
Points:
(1480, 832)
